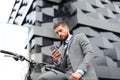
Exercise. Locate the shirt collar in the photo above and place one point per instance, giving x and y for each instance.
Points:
(68, 39)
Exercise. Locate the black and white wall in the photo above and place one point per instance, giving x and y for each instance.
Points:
(98, 19)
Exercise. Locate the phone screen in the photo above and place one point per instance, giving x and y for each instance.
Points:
(53, 48)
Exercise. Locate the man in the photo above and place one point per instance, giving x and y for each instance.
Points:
(73, 57)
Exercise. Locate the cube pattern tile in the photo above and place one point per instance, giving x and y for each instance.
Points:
(98, 19)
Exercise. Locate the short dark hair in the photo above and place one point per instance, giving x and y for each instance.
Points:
(63, 23)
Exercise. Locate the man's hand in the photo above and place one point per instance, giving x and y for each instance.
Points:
(75, 76)
(55, 55)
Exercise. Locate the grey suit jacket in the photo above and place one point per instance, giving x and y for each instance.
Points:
(80, 53)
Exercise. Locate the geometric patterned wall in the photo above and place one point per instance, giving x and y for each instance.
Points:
(106, 47)
(98, 19)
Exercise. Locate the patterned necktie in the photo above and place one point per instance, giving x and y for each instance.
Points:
(65, 44)
(64, 62)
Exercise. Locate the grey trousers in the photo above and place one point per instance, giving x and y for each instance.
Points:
(54, 75)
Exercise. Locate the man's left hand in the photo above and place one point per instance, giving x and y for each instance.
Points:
(75, 76)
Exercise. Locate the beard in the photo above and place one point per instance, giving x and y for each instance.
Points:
(63, 38)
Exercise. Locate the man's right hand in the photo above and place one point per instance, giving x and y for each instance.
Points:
(55, 55)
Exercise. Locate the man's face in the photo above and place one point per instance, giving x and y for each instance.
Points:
(62, 32)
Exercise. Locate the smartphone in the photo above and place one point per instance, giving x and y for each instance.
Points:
(53, 48)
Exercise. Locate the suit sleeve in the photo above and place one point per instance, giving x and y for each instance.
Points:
(87, 52)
